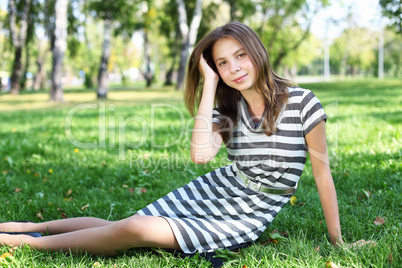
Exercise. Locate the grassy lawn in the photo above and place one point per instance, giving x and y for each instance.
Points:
(109, 159)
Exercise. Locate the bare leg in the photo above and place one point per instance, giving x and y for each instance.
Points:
(136, 231)
(54, 227)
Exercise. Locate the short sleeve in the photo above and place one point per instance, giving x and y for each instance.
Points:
(311, 111)
(215, 116)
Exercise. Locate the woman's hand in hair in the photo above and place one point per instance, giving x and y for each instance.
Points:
(207, 73)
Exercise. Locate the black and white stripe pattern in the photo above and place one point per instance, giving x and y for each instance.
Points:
(216, 210)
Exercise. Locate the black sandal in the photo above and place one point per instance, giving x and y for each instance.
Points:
(34, 234)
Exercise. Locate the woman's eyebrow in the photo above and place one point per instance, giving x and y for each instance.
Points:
(237, 51)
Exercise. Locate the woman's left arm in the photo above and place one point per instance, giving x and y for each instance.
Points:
(317, 146)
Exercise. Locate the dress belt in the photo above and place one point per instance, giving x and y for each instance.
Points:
(257, 186)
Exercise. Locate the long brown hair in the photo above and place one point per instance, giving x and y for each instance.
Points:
(272, 87)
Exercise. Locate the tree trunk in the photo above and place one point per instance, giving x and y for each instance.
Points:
(106, 48)
(342, 69)
(189, 36)
(147, 49)
(233, 10)
(60, 46)
(23, 79)
(40, 75)
(18, 40)
(17, 71)
(169, 74)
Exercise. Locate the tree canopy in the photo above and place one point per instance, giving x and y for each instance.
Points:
(129, 41)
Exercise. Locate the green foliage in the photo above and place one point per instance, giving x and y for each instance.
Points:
(38, 167)
(392, 55)
(124, 13)
(356, 49)
(393, 10)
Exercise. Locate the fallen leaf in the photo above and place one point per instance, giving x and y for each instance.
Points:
(5, 172)
(125, 186)
(366, 193)
(276, 237)
(111, 189)
(293, 200)
(69, 192)
(39, 215)
(64, 215)
(390, 258)
(330, 264)
(379, 221)
(131, 190)
(17, 190)
(143, 190)
(244, 266)
(7, 256)
(36, 174)
(84, 207)
(317, 248)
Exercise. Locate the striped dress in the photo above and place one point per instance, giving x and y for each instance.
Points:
(217, 210)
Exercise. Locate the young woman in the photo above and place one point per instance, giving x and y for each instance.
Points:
(267, 126)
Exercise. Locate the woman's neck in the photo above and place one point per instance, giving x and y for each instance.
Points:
(255, 104)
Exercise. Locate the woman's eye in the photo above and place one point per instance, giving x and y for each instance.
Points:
(222, 63)
(241, 55)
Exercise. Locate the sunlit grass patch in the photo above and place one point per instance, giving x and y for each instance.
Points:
(98, 160)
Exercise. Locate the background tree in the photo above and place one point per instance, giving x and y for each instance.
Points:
(113, 13)
(392, 54)
(392, 9)
(188, 35)
(354, 52)
(285, 25)
(18, 12)
(59, 48)
(169, 30)
(241, 9)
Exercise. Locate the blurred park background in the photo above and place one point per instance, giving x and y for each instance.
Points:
(56, 44)
(117, 67)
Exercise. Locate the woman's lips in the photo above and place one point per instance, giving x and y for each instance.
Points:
(240, 79)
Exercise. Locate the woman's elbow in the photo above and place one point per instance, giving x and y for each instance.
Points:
(200, 158)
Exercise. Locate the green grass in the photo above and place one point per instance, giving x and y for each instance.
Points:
(43, 177)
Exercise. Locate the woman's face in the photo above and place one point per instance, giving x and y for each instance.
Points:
(233, 64)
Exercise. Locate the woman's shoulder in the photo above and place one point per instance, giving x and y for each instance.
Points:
(298, 91)
(297, 94)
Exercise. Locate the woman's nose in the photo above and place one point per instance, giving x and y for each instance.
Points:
(234, 68)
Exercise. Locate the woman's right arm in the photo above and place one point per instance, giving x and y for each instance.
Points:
(205, 140)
